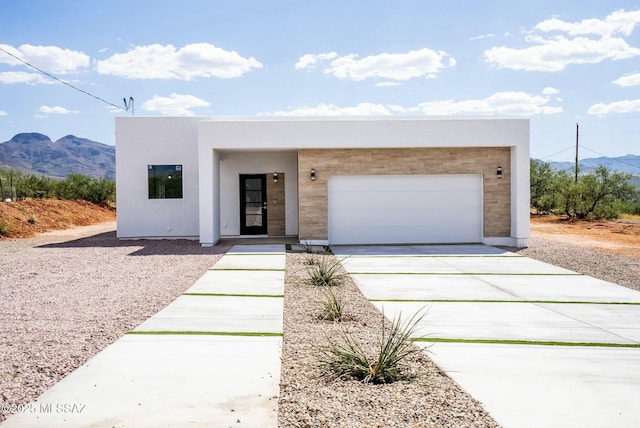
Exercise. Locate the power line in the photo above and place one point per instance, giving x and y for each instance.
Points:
(557, 153)
(612, 159)
(62, 81)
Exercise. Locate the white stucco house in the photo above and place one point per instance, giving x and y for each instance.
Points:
(324, 180)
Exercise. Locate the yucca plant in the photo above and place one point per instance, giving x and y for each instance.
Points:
(332, 307)
(347, 360)
(326, 272)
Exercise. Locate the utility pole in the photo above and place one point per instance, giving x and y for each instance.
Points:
(577, 128)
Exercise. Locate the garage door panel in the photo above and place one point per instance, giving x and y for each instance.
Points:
(400, 235)
(405, 209)
(415, 199)
(383, 217)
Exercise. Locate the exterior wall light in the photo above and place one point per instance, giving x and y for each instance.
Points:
(275, 177)
(312, 175)
(499, 172)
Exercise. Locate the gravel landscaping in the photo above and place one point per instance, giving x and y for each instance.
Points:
(63, 302)
(607, 266)
(65, 296)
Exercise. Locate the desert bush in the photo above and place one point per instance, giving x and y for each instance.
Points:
(5, 227)
(601, 194)
(32, 219)
(77, 186)
(347, 359)
(17, 185)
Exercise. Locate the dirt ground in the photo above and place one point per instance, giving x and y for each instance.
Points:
(618, 237)
(29, 217)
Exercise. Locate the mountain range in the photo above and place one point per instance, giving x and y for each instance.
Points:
(34, 153)
(629, 164)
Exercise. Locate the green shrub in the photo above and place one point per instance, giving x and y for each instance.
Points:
(32, 219)
(347, 360)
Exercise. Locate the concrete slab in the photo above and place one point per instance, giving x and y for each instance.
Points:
(428, 287)
(169, 381)
(547, 386)
(561, 288)
(622, 320)
(218, 314)
(397, 264)
(503, 321)
(240, 282)
(251, 261)
(504, 265)
(408, 250)
(257, 249)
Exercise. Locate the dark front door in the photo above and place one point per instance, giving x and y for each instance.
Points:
(253, 204)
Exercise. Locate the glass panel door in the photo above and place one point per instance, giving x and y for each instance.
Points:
(253, 204)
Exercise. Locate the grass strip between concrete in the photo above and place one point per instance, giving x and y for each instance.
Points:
(526, 342)
(466, 273)
(206, 333)
(248, 269)
(437, 256)
(501, 301)
(234, 295)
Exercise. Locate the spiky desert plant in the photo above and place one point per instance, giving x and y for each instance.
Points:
(326, 272)
(348, 360)
(332, 308)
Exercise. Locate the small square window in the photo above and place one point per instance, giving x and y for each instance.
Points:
(165, 181)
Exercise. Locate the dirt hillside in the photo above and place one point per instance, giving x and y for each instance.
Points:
(26, 218)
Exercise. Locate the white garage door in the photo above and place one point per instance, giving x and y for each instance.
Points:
(405, 209)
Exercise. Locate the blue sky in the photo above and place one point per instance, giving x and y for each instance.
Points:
(557, 63)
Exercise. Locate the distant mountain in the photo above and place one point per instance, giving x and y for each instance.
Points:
(35, 153)
(628, 163)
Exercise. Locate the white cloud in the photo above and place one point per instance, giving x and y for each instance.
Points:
(10, 77)
(554, 54)
(384, 84)
(186, 63)
(55, 110)
(625, 106)
(483, 36)
(619, 21)
(362, 109)
(3, 113)
(589, 41)
(403, 66)
(310, 60)
(502, 103)
(174, 104)
(550, 91)
(628, 80)
(49, 58)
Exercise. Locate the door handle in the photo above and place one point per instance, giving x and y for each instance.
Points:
(264, 205)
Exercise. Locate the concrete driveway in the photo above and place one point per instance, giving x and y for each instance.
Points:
(536, 344)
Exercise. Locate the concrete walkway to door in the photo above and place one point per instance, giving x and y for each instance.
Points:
(537, 345)
(211, 358)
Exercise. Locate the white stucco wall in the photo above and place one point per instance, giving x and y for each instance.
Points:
(144, 141)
